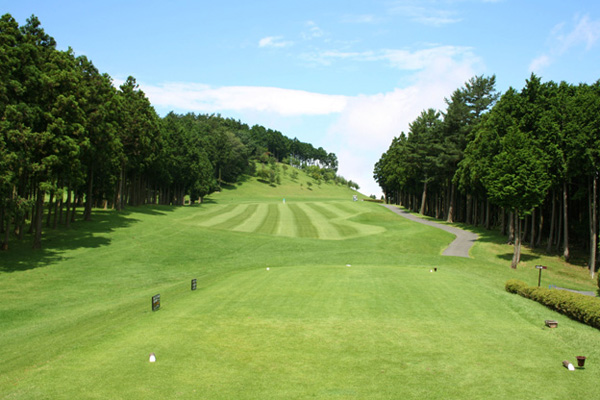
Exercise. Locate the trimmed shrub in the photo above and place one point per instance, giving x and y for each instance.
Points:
(585, 309)
(514, 285)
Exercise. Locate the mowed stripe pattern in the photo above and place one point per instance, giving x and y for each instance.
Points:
(322, 220)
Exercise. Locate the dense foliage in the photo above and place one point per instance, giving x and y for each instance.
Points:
(69, 138)
(576, 306)
(526, 162)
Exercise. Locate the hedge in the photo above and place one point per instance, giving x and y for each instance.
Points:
(576, 306)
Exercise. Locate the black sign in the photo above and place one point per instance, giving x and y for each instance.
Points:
(193, 284)
(155, 302)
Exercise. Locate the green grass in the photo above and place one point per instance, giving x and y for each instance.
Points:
(76, 320)
(328, 221)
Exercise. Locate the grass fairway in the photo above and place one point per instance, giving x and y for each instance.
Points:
(76, 320)
(325, 220)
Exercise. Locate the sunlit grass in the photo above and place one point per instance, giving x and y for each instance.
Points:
(329, 221)
(359, 317)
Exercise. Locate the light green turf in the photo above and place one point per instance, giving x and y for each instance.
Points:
(359, 317)
(329, 220)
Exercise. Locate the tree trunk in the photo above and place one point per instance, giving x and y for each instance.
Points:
(55, 219)
(559, 229)
(76, 199)
(6, 215)
(423, 198)
(566, 254)
(68, 209)
(87, 213)
(511, 227)
(469, 205)
(532, 238)
(540, 228)
(552, 224)
(450, 217)
(487, 213)
(50, 207)
(593, 224)
(6, 232)
(119, 197)
(33, 217)
(517, 249)
(39, 216)
(503, 221)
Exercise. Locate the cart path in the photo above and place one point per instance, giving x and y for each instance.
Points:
(583, 292)
(459, 247)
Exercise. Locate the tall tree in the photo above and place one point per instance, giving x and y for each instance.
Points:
(139, 136)
(517, 179)
(425, 145)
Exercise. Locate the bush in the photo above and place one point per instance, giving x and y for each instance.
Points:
(576, 306)
(515, 286)
(374, 200)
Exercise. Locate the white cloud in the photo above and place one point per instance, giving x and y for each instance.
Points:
(400, 59)
(360, 19)
(425, 58)
(357, 128)
(425, 12)
(274, 41)
(313, 31)
(367, 125)
(206, 99)
(539, 63)
(586, 32)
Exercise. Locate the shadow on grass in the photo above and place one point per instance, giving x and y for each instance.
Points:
(524, 257)
(234, 185)
(578, 255)
(81, 234)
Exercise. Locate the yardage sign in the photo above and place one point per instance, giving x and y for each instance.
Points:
(155, 302)
(541, 267)
(193, 284)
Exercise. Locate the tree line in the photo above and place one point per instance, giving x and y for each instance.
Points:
(69, 138)
(525, 162)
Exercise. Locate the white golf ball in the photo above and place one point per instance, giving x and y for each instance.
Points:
(267, 268)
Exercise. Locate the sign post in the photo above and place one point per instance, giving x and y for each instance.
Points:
(540, 268)
(155, 302)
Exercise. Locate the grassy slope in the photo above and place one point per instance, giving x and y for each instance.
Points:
(75, 317)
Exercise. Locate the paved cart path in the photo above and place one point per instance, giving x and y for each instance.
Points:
(459, 247)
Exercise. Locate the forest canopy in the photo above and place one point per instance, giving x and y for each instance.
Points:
(526, 162)
(69, 138)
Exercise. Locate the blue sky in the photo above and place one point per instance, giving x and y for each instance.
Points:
(344, 75)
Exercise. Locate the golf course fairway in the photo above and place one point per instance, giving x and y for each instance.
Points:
(315, 297)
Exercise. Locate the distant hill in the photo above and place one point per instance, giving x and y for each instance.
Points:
(296, 186)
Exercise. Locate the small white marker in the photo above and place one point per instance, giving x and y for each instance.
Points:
(348, 265)
(152, 357)
(568, 365)
(267, 268)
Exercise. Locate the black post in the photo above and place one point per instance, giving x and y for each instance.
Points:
(540, 268)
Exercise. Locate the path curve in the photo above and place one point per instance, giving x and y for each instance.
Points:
(460, 247)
